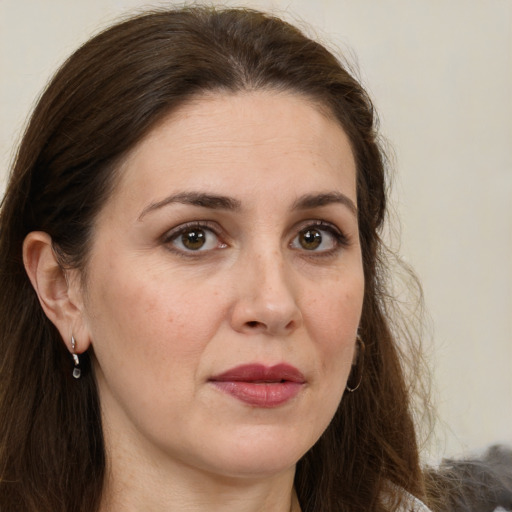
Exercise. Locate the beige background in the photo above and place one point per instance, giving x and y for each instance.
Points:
(440, 72)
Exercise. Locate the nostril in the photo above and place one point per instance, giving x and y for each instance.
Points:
(290, 326)
(253, 324)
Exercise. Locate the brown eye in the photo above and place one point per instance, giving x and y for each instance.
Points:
(310, 239)
(320, 238)
(193, 239)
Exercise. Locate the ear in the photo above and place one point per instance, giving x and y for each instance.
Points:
(58, 289)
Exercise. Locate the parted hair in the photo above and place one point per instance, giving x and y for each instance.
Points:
(108, 95)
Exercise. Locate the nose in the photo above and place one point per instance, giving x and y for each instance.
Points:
(266, 297)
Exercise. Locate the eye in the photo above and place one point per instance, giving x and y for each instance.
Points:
(323, 238)
(193, 238)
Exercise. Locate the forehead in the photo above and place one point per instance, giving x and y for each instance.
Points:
(242, 141)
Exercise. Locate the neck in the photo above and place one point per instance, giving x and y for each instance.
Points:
(142, 483)
(195, 492)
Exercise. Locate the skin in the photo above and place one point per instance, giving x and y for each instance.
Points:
(163, 319)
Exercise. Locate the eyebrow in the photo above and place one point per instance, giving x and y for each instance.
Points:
(214, 202)
(310, 201)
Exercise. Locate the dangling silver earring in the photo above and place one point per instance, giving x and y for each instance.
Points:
(76, 370)
(356, 375)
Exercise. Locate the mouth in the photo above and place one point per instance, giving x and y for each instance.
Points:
(259, 385)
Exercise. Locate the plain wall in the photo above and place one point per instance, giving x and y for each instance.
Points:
(440, 73)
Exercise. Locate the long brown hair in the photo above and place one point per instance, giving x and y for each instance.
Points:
(102, 101)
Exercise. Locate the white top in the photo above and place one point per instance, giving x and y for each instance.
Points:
(413, 504)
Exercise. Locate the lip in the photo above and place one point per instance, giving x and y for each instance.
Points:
(259, 385)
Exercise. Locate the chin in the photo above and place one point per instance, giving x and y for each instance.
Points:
(258, 455)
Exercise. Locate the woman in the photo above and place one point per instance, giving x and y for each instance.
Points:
(193, 313)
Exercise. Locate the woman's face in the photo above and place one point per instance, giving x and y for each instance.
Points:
(225, 286)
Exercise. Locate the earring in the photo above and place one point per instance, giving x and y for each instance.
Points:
(357, 367)
(76, 370)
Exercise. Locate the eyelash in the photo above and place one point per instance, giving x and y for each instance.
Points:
(174, 234)
(340, 239)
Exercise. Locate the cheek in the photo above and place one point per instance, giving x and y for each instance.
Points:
(155, 323)
(149, 336)
(336, 311)
(333, 319)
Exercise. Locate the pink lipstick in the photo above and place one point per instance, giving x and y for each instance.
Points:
(259, 385)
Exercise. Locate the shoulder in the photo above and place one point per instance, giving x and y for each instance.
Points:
(408, 502)
(412, 504)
